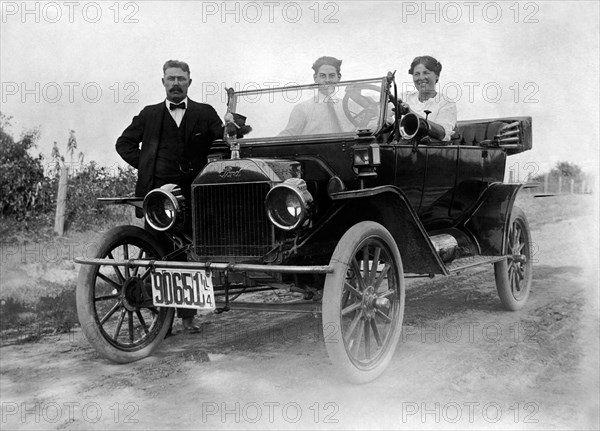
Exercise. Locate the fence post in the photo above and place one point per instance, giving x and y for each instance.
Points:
(61, 200)
(546, 175)
(572, 186)
(559, 185)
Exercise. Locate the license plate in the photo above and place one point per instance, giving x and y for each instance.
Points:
(182, 289)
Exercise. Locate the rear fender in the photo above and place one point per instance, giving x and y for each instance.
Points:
(488, 223)
(388, 206)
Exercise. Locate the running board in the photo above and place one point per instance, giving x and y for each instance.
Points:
(472, 261)
(300, 306)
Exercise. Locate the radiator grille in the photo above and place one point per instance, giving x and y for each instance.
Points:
(230, 220)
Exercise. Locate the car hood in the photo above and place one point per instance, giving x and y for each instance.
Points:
(249, 170)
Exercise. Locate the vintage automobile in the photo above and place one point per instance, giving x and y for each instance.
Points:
(343, 216)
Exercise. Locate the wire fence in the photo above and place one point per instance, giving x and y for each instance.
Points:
(557, 185)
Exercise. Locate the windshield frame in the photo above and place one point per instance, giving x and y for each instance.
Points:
(383, 83)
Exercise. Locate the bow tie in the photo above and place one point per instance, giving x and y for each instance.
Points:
(173, 106)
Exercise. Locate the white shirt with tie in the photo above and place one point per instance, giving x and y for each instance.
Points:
(312, 117)
(178, 113)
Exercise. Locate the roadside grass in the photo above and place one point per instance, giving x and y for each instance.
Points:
(552, 209)
(38, 277)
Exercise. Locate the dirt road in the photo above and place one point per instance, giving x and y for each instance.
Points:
(462, 363)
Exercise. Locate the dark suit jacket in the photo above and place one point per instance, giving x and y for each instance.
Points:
(202, 127)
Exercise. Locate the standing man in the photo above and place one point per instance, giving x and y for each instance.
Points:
(175, 137)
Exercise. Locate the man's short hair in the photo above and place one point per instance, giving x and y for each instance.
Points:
(331, 61)
(176, 63)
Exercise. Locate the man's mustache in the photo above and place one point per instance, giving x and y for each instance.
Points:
(176, 88)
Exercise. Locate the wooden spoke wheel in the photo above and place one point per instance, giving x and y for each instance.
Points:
(513, 275)
(114, 304)
(363, 302)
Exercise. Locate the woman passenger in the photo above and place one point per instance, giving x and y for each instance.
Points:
(426, 73)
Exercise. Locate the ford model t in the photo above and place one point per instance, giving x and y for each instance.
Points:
(343, 217)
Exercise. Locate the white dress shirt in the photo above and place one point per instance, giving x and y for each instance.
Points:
(177, 114)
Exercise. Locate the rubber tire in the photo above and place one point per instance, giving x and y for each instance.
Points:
(346, 248)
(501, 269)
(85, 294)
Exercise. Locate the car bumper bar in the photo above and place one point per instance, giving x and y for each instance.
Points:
(235, 267)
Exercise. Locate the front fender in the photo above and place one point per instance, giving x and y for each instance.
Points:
(389, 206)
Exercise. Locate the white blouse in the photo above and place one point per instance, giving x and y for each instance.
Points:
(443, 111)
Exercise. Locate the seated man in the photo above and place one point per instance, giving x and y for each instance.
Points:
(322, 113)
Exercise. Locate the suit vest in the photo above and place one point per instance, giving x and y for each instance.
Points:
(170, 151)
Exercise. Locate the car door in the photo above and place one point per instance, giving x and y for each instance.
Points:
(438, 185)
(410, 169)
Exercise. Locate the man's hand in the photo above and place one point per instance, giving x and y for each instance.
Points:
(236, 125)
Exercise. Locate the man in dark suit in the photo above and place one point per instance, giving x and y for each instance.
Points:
(175, 137)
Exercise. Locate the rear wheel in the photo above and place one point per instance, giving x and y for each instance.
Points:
(363, 302)
(114, 304)
(513, 275)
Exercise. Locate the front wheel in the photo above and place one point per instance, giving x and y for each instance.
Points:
(513, 275)
(114, 304)
(363, 302)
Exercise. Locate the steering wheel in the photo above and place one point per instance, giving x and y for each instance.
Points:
(368, 108)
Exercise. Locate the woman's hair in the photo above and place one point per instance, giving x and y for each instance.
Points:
(427, 61)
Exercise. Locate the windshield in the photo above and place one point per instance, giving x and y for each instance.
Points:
(312, 110)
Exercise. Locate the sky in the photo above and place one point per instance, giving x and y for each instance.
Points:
(91, 66)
